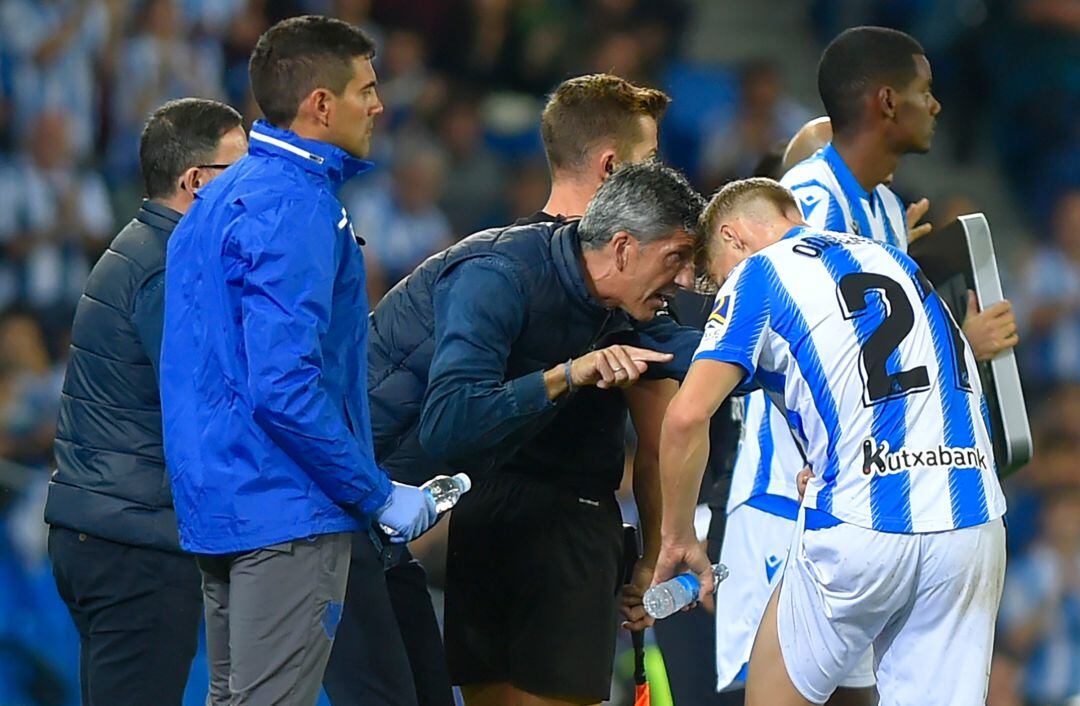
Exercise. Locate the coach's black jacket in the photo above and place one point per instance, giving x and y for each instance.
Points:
(110, 480)
(482, 402)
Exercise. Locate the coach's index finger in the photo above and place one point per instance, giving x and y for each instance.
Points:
(646, 355)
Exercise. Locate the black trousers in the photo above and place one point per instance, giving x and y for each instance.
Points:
(137, 611)
(388, 650)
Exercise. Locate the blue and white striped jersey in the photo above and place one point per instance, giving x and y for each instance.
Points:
(832, 199)
(768, 460)
(849, 338)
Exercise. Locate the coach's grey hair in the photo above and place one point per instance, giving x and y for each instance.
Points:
(649, 201)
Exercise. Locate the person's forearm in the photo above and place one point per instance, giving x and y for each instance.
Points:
(684, 451)
(649, 504)
(555, 382)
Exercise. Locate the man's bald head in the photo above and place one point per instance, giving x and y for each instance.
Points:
(809, 139)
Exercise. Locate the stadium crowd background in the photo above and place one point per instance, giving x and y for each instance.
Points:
(458, 149)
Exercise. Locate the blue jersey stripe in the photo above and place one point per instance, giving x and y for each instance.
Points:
(765, 445)
(795, 423)
(966, 493)
(771, 381)
(788, 322)
(985, 409)
(890, 234)
(890, 495)
(835, 220)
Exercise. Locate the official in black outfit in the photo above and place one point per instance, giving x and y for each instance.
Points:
(135, 598)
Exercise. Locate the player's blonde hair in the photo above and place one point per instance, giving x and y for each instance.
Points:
(735, 199)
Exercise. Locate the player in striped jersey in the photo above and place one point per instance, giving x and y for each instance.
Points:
(763, 503)
(875, 83)
(903, 547)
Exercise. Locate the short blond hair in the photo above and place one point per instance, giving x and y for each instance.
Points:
(587, 109)
(729, 201)
(737, 195)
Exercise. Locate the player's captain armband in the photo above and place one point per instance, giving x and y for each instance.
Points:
(717, 324)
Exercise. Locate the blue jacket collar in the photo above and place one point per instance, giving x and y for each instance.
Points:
(566, 255)
(317, 157)
(848, 182)
(158, 216)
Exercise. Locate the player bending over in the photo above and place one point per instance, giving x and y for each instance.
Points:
(899, 545)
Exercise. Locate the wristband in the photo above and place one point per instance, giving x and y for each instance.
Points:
(569, 378)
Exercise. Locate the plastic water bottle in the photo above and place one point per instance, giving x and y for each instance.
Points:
(446, 490)
(673, 595)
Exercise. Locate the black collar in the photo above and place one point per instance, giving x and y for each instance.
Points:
(158, 216)
(566, 255)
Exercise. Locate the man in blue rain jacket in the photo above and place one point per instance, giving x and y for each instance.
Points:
(265, 413)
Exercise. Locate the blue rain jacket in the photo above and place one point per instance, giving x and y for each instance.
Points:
(264, 354)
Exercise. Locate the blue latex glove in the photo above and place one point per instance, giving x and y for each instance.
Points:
(409, 512)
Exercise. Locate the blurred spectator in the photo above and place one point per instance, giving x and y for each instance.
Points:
(1005, 676)
(546, 30)
(402, 222)
(1053, 465)
(53, 217)
(654, 26)
(209, 18)
(1061, 415)
(528, 189)
(54, 45)
(29, 391)
(764, 117)
(158, 63)
(621, 54)
(403, 77)
(240, 37)
(950, 208)
(471, 194)
(1040, 607)
(1049, 300)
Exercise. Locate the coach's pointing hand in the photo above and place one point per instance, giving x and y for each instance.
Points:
(614, 366)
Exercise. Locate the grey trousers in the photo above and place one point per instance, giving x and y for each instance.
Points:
(271, 615)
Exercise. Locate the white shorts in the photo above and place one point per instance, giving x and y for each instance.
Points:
(755, 548)
(925, 602)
